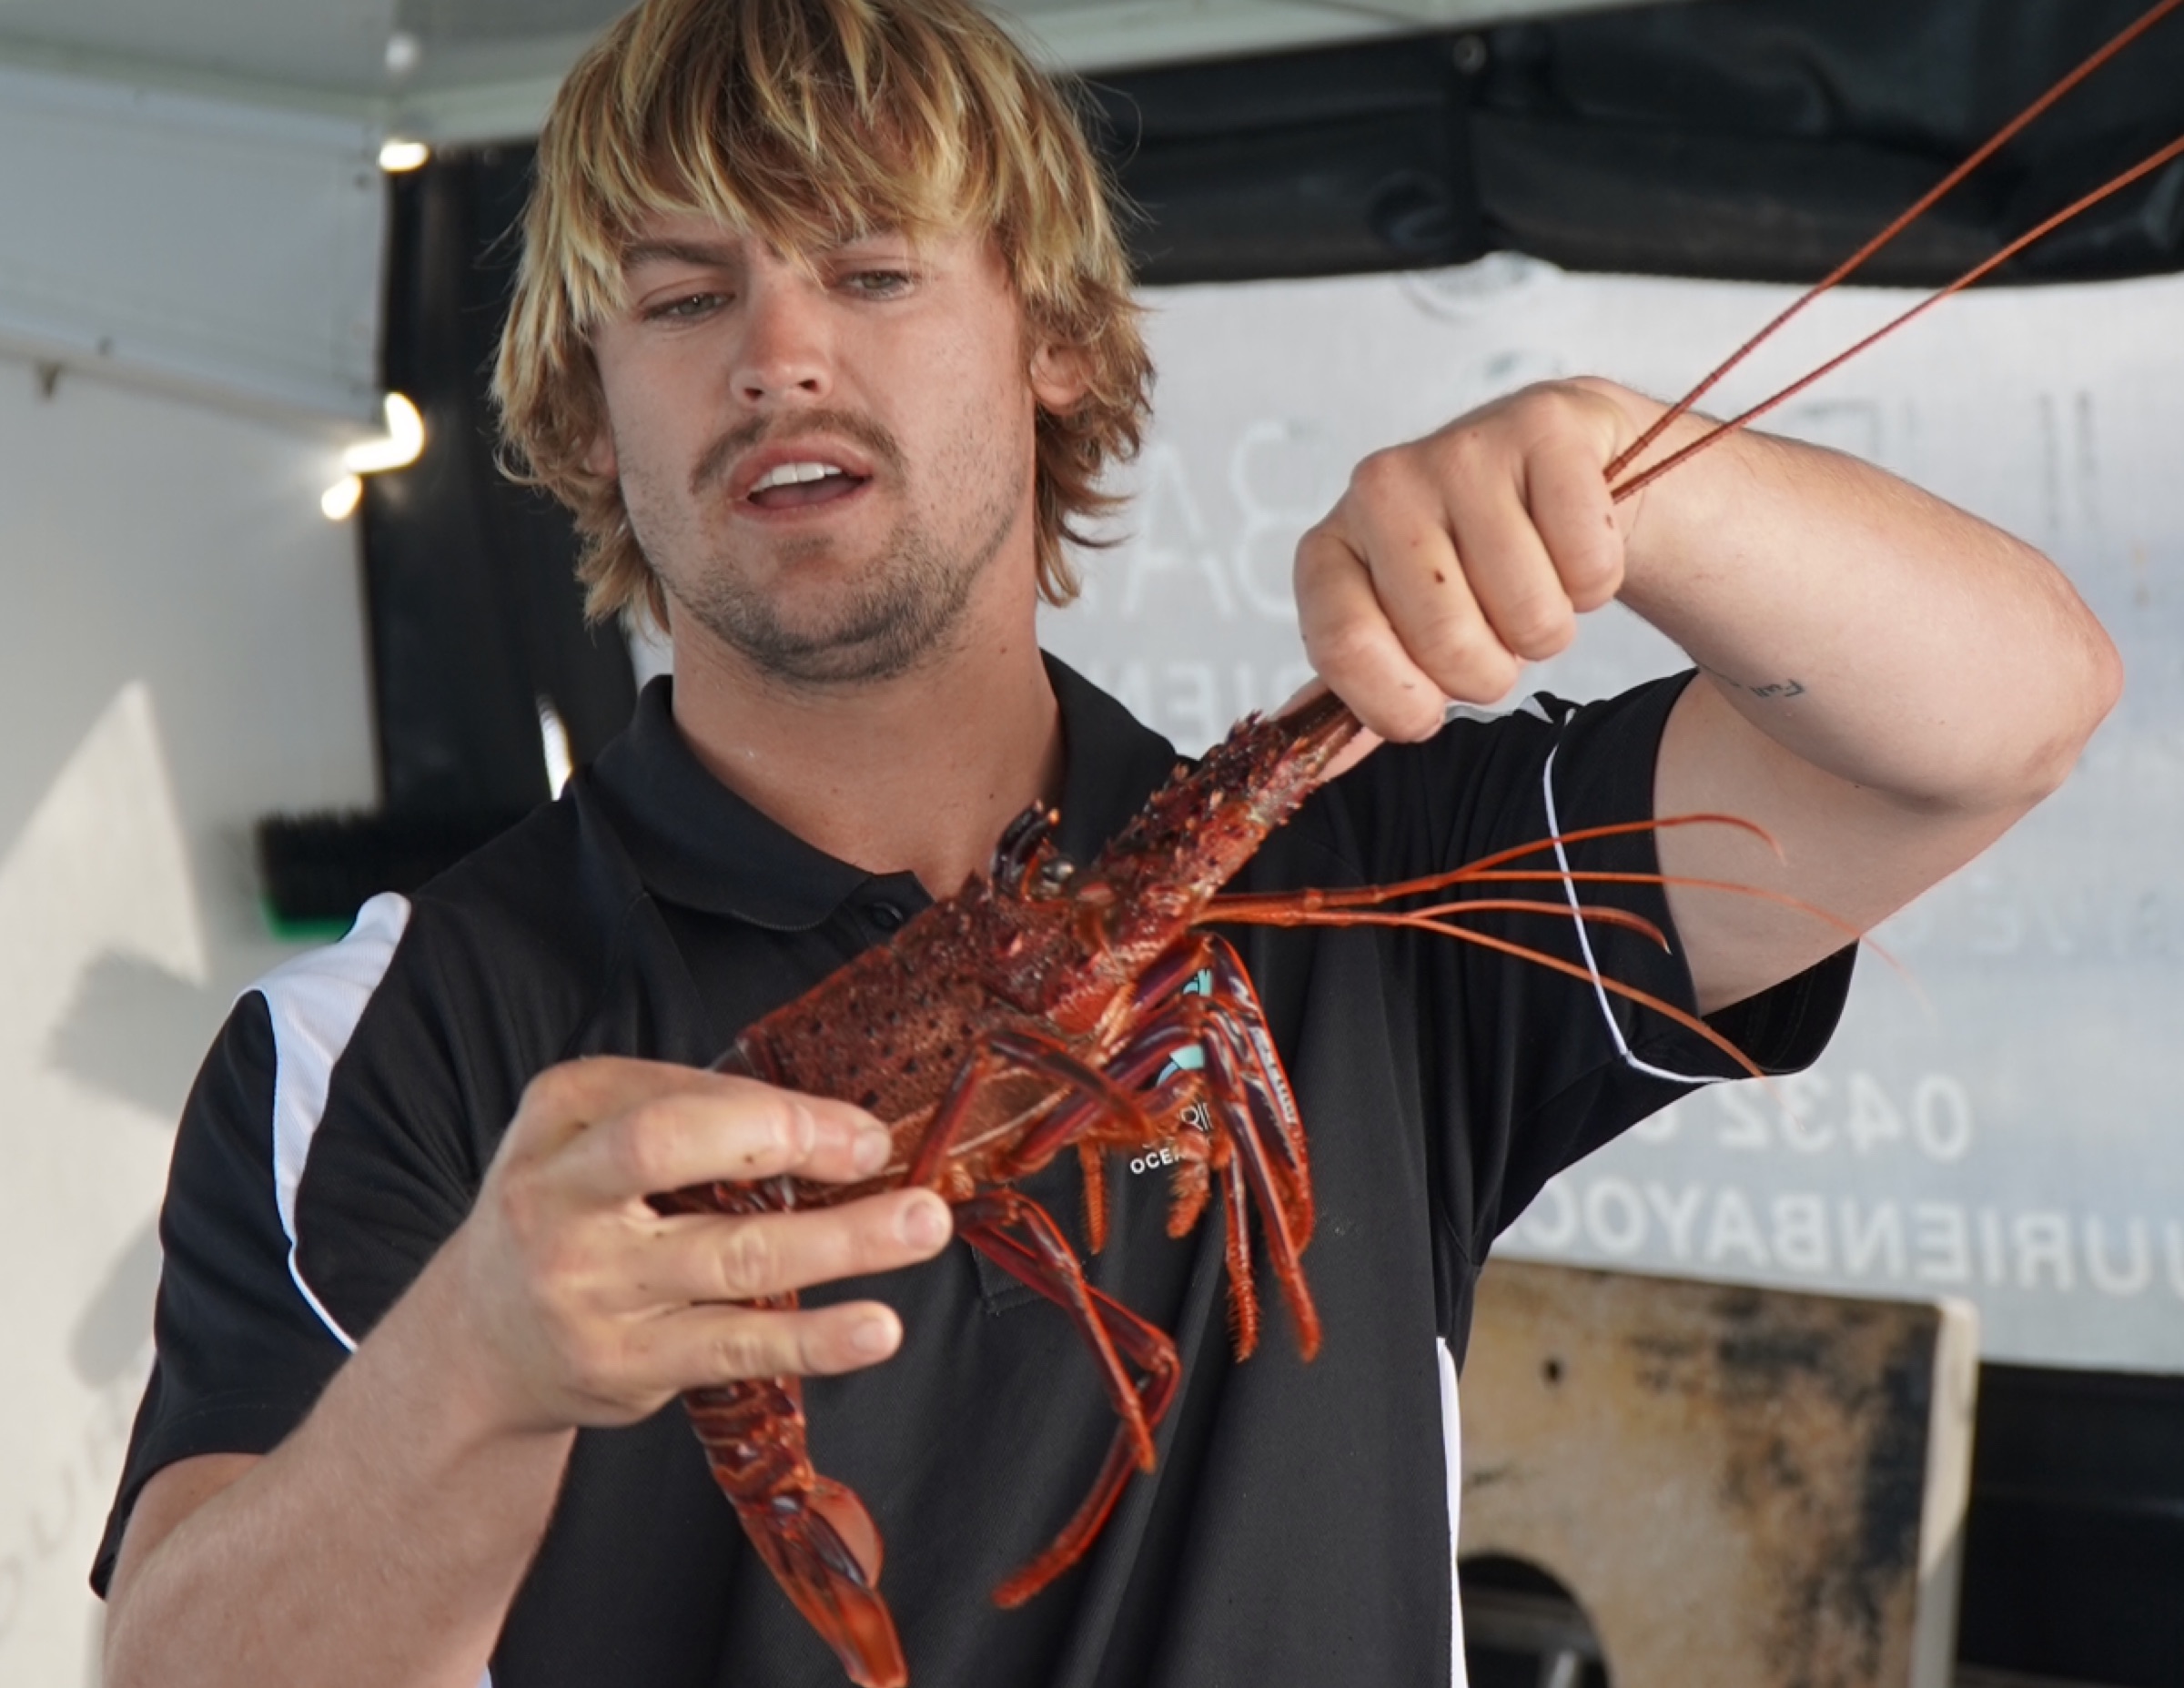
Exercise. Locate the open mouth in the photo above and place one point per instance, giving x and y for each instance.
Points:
(800, 486)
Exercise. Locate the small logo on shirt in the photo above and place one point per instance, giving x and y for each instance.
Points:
(1190, 1059)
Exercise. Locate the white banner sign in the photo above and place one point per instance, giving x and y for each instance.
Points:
(2001, 1125)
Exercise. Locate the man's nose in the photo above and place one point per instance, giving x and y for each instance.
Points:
(784, 350)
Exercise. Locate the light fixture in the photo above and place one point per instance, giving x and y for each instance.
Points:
(403, 444)
(339, 501)
(399, 157)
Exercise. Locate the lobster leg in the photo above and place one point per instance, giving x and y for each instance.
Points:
(1146, 1345)
(1033, 1051)
(1269, 1087)
(1149, 1048)
(1244, 1167)
(1258, 1138)
(1172, 1018)
(1232, 1006)
(1094, 1170)
(1078, 1120)
(1236, 1244)
(985, 1218)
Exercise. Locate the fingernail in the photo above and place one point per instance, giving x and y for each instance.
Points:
(873, 1338)
(924, 1222)
(869, 1153)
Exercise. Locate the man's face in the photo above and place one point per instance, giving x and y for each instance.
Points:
(821, 461)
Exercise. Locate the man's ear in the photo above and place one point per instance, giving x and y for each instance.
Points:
(1060, 377)
(599, 457)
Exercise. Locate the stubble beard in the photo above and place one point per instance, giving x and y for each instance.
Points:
(906, 609)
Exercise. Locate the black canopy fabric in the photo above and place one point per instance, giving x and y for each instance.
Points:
(475, 619)
(1742, 139)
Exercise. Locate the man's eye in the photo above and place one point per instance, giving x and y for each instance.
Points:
(877, 283)
(686, 309)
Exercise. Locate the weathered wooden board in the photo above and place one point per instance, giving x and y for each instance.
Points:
(1743, 1488)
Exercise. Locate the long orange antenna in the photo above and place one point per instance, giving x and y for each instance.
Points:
(2145, 166)
(1856, 260)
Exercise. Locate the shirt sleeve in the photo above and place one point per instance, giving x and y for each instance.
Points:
(323, 1158)
(240, 1355)
(1527, 1066)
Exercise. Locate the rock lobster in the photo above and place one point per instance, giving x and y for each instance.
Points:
(1038, 1011)
(1041, 1009)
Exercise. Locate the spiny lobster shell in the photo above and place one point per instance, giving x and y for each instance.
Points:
(1037, 944)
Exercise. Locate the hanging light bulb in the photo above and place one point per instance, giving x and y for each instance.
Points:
(339, 502)
(404, 442)
(402, 445)
(399, 157)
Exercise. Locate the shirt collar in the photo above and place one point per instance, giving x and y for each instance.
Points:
(697, 844)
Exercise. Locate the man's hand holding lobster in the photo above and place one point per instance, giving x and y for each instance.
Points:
(1452, 560)
(1882, 674)
(583, 1306)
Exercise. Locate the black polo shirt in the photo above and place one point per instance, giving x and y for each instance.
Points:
(1298, 1530)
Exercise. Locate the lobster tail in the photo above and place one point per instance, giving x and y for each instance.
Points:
(813, 1534)
(806, 1539)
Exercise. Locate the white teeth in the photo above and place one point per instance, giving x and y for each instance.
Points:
(789, 474)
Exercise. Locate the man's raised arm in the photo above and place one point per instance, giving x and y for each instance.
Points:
(1887, 682)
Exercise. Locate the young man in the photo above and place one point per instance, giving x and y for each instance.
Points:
(823, 332)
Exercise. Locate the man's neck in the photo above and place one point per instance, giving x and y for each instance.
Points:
(918, 773)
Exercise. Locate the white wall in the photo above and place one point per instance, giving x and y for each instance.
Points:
(181, 651)
(217, 247)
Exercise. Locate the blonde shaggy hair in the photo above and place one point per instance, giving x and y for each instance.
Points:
(805, 123)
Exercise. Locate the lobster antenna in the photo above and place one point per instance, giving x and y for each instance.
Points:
(2145, 166)
(1842, 272)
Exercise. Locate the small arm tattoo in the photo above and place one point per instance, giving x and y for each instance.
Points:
(1777, 690)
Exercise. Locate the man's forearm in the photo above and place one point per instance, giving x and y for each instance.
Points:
(1888, 685)
(381, 1544)
(1875, 632)
(1891, 682)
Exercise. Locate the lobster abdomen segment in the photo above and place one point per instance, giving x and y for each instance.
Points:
(813, 1533)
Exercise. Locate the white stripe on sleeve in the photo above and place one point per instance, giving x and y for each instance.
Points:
(315, 1002)
(1584, 942)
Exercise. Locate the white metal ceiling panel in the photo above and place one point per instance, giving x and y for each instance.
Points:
(186, 185)
(229, 250)
(310, 44)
